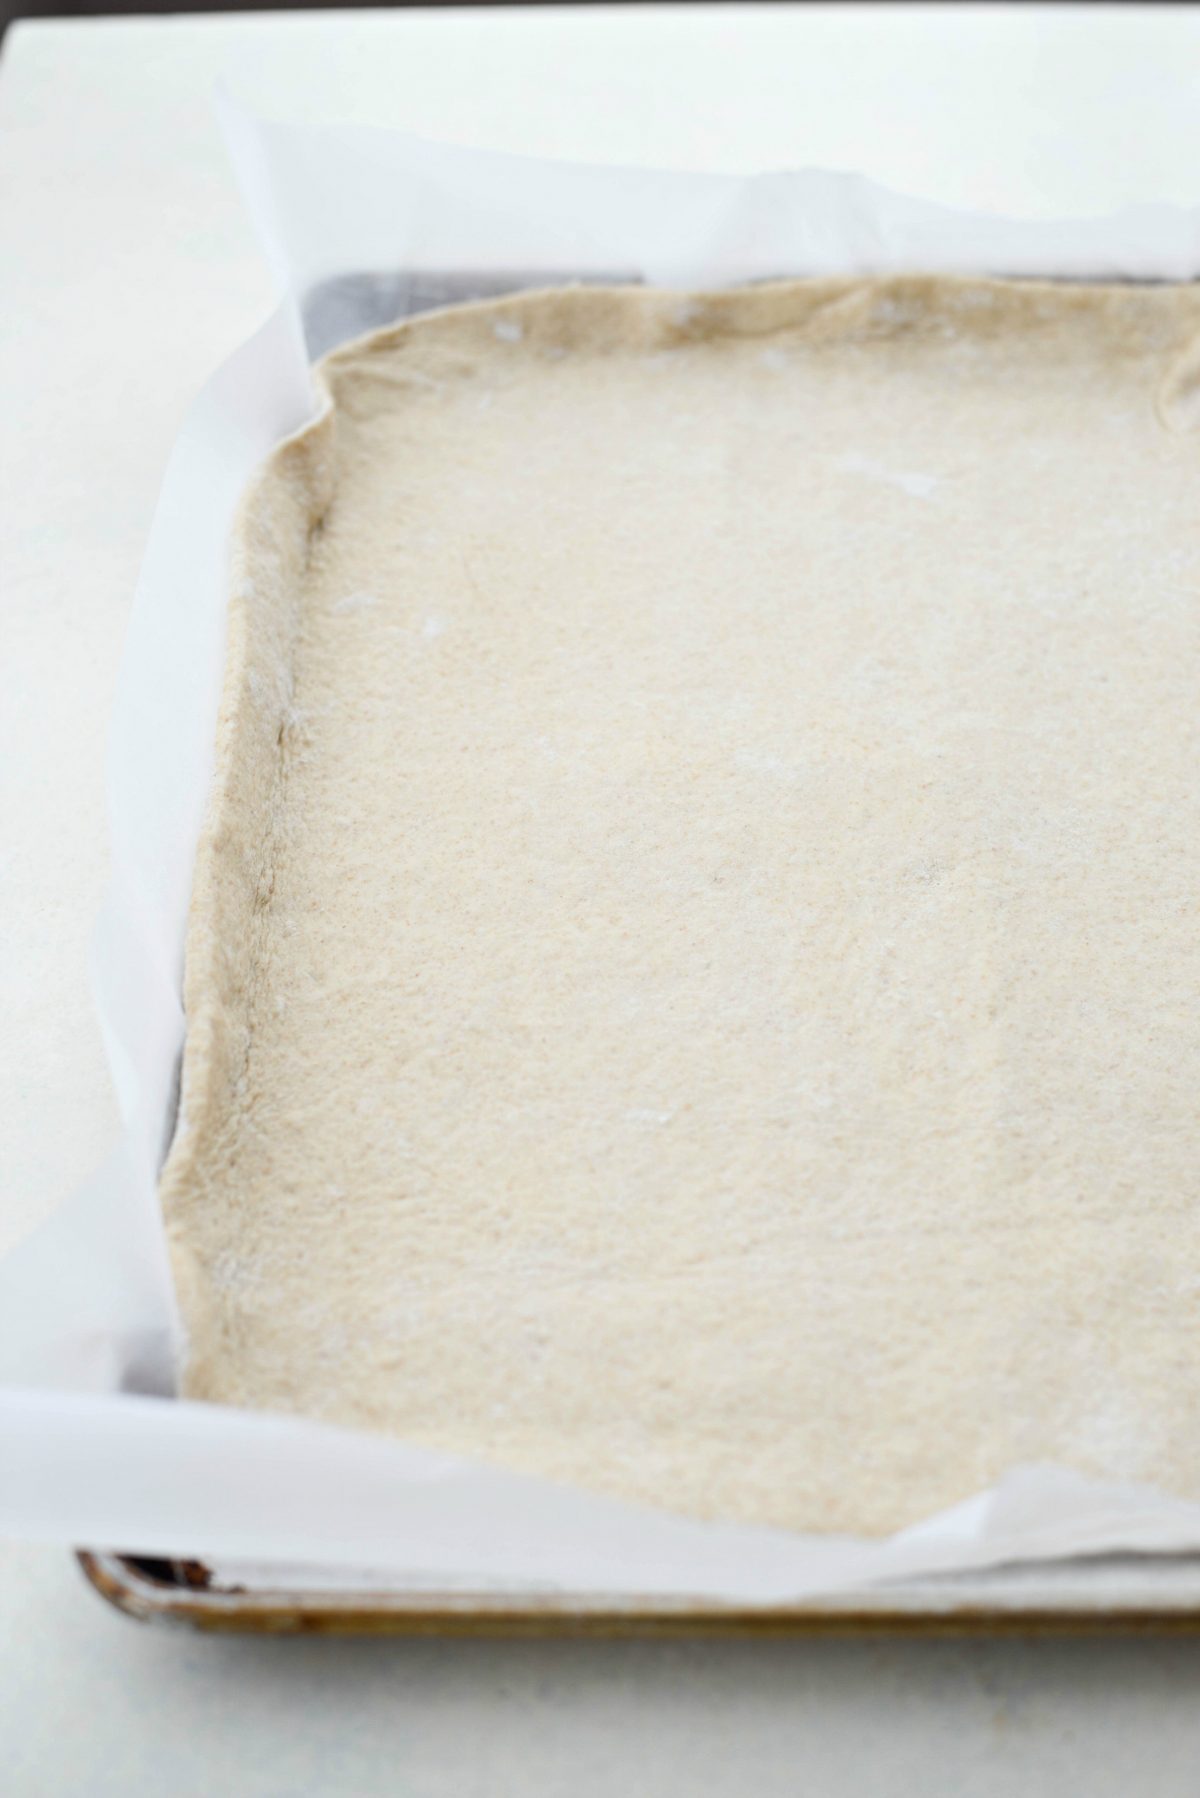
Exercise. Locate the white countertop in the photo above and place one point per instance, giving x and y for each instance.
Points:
(127, 272)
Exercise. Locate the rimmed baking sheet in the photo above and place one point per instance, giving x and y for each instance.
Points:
(91, 1321)
(1102, 1592)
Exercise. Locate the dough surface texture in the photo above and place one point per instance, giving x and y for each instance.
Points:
(693, 980)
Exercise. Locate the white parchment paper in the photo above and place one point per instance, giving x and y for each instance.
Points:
(361, 226)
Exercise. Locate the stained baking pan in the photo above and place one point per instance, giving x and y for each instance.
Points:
(1129, 1591)
(1111, 1592)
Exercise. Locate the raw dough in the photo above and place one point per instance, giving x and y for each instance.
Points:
(693, 974)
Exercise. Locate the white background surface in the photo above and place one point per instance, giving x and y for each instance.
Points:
(126, 274)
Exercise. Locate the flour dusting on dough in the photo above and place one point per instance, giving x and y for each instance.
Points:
(692, 973)
(917, 486)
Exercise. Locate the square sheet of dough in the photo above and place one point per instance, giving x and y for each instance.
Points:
(693, 972)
